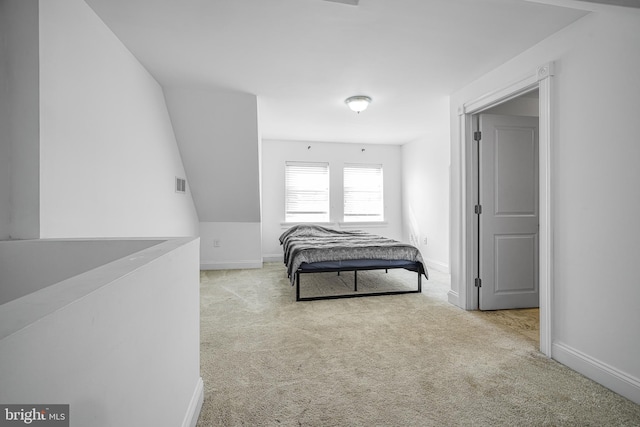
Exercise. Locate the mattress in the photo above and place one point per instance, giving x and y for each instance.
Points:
(311, 247)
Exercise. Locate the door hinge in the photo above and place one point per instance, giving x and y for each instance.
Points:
(477, 135)
(478, 282)
(478, 209)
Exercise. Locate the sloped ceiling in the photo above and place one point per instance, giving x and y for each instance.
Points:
(303, 58)
(218, 137)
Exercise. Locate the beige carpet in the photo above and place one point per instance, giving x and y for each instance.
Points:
(406, 360)
(525, 321)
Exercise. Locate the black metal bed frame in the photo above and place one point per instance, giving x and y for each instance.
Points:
(355, 283)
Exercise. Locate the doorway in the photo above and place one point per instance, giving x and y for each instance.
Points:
(540, 78)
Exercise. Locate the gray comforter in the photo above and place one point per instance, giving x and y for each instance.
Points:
(313, 243)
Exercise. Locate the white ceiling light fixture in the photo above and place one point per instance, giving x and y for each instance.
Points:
(349, 2)
(358, 103)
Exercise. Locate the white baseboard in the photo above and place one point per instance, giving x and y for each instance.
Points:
(230, 265)
(437, 265)
(273, 257)
(453, 298)
(600, 372)
(195, 405)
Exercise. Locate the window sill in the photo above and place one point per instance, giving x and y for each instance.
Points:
(372, 224)
(359, 224)
(291, 224)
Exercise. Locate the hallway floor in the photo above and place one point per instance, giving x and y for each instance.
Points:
(525, 321)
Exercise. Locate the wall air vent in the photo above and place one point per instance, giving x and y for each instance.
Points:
(181, 185)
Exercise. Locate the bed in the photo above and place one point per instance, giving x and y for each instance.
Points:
(315, 249)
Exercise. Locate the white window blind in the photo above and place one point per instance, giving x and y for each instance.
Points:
(306, 192)
(363, 195)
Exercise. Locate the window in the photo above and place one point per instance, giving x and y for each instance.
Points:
(363, 198)
(306, 192)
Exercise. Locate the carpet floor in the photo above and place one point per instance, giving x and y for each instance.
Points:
(401, 360)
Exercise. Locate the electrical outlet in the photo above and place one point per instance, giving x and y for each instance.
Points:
(216, 243)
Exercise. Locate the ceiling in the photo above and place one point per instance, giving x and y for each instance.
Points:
(303, 58)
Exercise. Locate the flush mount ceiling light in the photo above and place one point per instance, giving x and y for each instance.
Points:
(350, 2)
(358, 103)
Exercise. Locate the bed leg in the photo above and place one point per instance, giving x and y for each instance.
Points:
(419, 282)
(355, 280)
(297, 286)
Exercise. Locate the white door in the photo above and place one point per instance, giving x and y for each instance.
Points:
(508, 213)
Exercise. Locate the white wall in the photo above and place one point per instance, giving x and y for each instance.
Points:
(5, 148)
(119, 344)
(19, 133)
(276, 153)
(524, 105)
(425, 193)
(108, 153)
(230, 245)
(595, 175)
(217, 132)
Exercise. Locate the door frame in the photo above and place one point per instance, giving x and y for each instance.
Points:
(542, 79)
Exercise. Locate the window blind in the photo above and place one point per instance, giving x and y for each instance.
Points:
(363, 193)
(306, 192)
